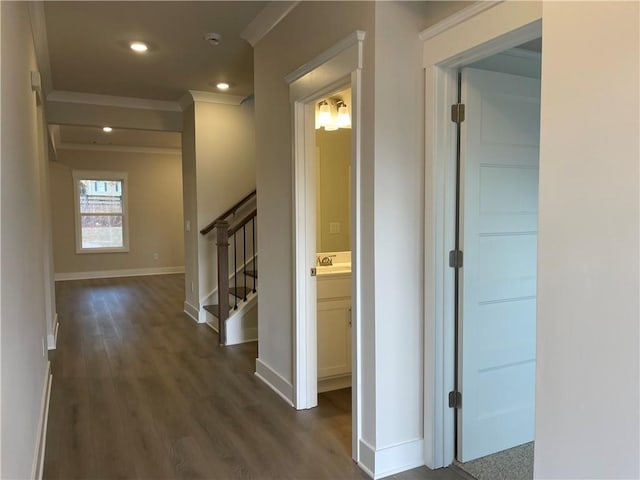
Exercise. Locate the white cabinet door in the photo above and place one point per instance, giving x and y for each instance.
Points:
(499, 213)
(334, 337)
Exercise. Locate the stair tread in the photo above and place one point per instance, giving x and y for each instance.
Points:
(239, 292)
(214, 310)
(251, 273)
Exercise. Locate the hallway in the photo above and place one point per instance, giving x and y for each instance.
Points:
(140, 391)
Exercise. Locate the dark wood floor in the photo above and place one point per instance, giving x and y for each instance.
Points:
(140, 391)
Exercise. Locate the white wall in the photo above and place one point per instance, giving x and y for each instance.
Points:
(587, 405)
(226, 172)
(154, 207)
(303, 34)
(392, 220)
(22, 251)
(399, 222)
(218, 155)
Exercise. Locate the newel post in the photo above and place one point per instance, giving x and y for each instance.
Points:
(222, 242)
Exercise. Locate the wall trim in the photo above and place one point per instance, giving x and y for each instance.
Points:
(52, 338)
(191, 311)
(367, 461)
(266, 20)
(390, 460)
(132, 272)
(324, 57)
(334, 383)
(275, 381)
(112, 101)
(193, 96)
(118, 148)
(41, 440)
(457, 18)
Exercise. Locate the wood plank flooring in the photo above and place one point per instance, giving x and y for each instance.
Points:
(141, 391)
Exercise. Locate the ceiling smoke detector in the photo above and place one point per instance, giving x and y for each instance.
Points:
(213, 38)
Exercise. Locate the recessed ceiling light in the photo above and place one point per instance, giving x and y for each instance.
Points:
(222, 86)
(107, 129)
(138, 47)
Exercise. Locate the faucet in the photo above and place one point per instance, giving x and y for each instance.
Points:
(326, 261)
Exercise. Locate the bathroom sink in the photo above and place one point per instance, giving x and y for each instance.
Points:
(333, 269)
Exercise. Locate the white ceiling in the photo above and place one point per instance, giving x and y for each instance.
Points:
(89, 47)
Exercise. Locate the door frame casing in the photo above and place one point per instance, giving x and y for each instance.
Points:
(338, 67)
(476, 32)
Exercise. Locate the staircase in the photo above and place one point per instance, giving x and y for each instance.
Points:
(234, 317)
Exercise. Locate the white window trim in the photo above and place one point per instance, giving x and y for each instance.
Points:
(101, 175)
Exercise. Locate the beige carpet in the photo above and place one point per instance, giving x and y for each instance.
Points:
(513, 464)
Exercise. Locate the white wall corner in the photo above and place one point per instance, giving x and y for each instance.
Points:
(382, 462)
(185, 101)
(210, 97)
(272, 14)
(54, 139)
(52, 338)
(275, 381)
(36, 86)
(41, 440)
(191, 311)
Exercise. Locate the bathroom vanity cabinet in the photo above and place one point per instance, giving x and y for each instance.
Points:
(334, 330)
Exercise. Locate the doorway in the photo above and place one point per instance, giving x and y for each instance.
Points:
(497, 210)
(333, 71)
(476, 34)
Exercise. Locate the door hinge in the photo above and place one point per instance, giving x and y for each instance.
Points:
(455, 258)
(313, 271)
(455, 399)
(457, 112)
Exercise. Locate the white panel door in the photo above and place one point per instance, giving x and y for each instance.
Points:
(498, 228)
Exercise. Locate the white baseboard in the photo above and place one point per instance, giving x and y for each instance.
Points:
(41, 439)
(275, 381)
(390, 460)
(131, 272)
(191, 311)
(52, 339)
(337, 382)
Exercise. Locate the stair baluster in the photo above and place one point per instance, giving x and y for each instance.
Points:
(253, 252)
(244, 262)
(235, 271)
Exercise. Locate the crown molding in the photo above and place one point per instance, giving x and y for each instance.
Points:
(118, 148)
(457, 18)
(112, 101)
(41, 45)
(270, 16)
(193, 96)
(341, 46)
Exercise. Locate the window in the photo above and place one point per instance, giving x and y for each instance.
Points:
(101, 211)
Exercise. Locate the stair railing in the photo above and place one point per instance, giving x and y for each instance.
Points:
(225, 232)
